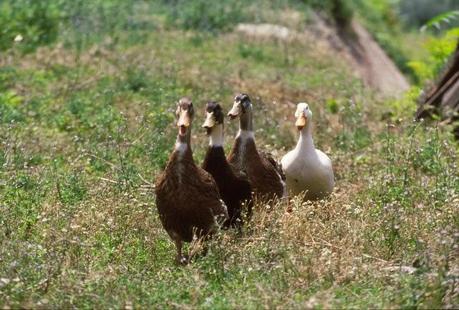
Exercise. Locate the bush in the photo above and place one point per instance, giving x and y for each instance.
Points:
(28, 23)
(418, 12)
(200, 15)
(439, 48)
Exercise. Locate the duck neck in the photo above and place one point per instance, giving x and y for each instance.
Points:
(216, 138)
(182, 144)
(245, 121)
(245, 126)
(305, 142)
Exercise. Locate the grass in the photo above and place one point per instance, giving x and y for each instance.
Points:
(84, 132)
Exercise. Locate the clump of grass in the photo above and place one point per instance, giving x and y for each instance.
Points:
(199, 15)
(28, 24)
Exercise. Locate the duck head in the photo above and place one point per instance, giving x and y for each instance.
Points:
(184, 114)
(242, 108)
(214, 117)
(214, 123)
(303, 115)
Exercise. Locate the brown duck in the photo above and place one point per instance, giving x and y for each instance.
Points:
(187, 196)
(261, 169)
(234, 188)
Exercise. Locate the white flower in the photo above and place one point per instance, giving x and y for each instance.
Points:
(18, 38)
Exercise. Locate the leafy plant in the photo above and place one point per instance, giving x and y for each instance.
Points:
(71, 189)
(439, 48)
(28, 23)
(437, 21)
(199, 15)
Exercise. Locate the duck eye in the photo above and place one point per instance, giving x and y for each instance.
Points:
(246, 104)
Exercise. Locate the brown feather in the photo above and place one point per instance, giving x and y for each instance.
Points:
(187, 198)
(234, 188)
(264, 178)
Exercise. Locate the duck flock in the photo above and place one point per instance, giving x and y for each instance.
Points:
(195, 201)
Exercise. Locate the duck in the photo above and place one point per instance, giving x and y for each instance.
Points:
(308, 170)
(234, 188)
(264, 175)
(187, 198)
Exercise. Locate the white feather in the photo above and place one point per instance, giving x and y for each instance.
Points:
(216, 136)
(307, 169)
(245, 135)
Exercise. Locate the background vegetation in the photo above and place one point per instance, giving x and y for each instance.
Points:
(87, 94)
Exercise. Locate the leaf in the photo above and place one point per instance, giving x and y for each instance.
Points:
(10, 98)
(436, 21)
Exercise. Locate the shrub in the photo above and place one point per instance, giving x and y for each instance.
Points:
(28, 23)
(200, 15)
(439, 48)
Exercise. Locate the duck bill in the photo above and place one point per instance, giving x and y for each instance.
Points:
(300, 122)
(183, 123)
(234, 112)
(209, 123)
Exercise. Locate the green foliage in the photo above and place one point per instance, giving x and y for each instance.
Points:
(405, 106)
(87, 22)
(419, 12)
(28, 24)
(199, 15)
(355, 134)
(397, 193)
(439, 50)
(332, 105)
(7, 77)
(437, 21)
(9, 107)
(71, 189)
(252, 51)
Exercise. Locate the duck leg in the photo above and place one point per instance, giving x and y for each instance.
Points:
(180, 259)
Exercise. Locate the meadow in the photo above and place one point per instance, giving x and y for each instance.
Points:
(87, 123)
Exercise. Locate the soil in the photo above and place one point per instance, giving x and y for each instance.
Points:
(355, 45)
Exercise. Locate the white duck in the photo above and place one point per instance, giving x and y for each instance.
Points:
(308, 170)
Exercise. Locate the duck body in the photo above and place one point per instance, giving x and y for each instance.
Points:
(308, 171)
(187, 198)
(264, 178)
(235, 190)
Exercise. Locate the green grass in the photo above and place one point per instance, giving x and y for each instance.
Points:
(85, 129)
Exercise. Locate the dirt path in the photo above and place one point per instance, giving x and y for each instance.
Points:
(362, 53)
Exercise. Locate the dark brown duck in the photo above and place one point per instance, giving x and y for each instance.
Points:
(234, 188)
(187, 196)
(264, 175)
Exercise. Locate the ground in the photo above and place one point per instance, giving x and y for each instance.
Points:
(84, 133)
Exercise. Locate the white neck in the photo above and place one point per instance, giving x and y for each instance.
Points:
(180, 146)
(305, 142)
(245, 134)
(216, 136)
